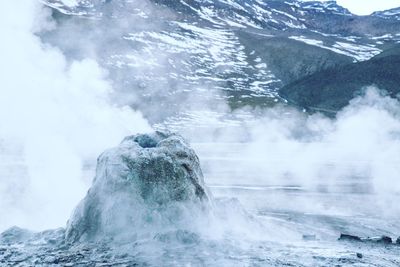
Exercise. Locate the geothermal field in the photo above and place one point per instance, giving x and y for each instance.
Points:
(199, 133)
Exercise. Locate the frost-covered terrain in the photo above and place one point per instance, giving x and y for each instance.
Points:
(283, 184)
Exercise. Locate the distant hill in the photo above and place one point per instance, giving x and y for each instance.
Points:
(332, 89)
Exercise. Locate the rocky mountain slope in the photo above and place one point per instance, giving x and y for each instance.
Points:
(330, 90)
(388, 14)
(185, 54)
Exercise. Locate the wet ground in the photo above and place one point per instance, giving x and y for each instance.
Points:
(285, 225)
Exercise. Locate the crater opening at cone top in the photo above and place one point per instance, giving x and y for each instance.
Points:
(149, 140)
(146, 141)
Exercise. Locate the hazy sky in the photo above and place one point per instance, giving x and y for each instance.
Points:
(365, 7)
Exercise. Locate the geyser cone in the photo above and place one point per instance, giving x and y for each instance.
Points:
(149, 182)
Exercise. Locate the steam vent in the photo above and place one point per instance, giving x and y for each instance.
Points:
(149, 179)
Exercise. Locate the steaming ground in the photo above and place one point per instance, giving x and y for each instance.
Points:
(54, 114)
(307, 175)
(293, 173)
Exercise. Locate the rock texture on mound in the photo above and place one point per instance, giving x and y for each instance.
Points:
(148, 181)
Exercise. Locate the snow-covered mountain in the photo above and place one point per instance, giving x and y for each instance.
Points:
(389, 14)
(195, 50)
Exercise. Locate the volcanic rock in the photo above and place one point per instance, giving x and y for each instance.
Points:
(149, 181)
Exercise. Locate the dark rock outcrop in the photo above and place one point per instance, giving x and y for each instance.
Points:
(347, 237)
(148, 181)
(386, 240)
(380, 239)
